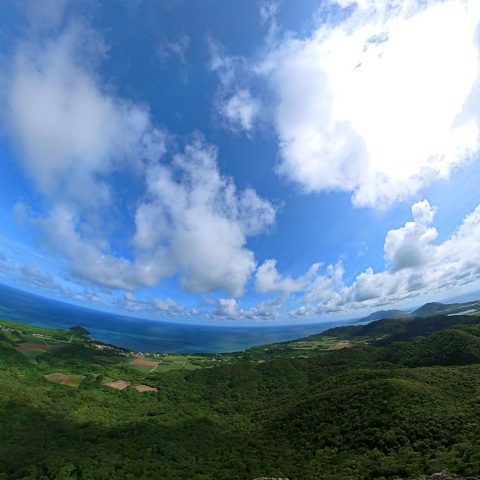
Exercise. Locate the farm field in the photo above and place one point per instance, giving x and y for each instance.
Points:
(62, 379)
(176, 362)
(326, 343)
(145, 366)
(118, 384)
(33, 350)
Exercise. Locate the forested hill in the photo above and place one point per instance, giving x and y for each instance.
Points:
(394, 400)
(382, 314)
(382, 332)
(429, 309)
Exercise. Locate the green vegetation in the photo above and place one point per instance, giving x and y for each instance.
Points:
(427, 310)
(80, 330)
(62, 379)
(391, 399)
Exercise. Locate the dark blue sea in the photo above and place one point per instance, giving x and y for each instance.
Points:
(145, 335)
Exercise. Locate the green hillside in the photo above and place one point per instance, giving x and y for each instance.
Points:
(379, 408)
(435, 308)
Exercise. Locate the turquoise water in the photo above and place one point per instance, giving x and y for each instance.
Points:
(145, 335)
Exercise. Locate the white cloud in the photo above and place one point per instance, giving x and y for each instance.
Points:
(234, 100)
(241, 110)
(26, 268)
(194, 224)
(368, 103)
(225, 66)
(410, 246)
(266, 309)
(168, 306)
(226, 307)
(69, 130)
(77, 138)
(88, 259)
(304, 310)
(322, 286)
(132, 303)
(88, 296)
(130, 297)
(314, 285)
(417, 267)
(378, 101)
(267, 279)
(198, 218)
(36, 275)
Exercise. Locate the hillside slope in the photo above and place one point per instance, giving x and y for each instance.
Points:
(398, 410)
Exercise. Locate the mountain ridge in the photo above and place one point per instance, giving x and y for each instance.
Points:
(428, 309)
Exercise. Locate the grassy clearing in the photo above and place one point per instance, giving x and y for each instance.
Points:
(75, 380)
(120, 359)
(325, 343)
(32, 350)
(191, 366)
(164, 368)
(35, 347)
(340, 344)
(111, 360)
(141, 368)
(30, 354)
(175, 362)
(63, 379)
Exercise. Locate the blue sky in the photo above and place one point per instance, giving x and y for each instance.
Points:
(254, 161)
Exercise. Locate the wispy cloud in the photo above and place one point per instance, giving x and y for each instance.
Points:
(268, 10)
(175, 51)
(131, 303)
(174, 48)
(234, 101)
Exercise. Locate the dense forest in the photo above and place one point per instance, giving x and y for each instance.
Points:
(387, 400)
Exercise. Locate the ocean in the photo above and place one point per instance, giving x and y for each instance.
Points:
(146, 335)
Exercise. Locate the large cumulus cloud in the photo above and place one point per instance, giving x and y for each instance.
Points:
(380, 99)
